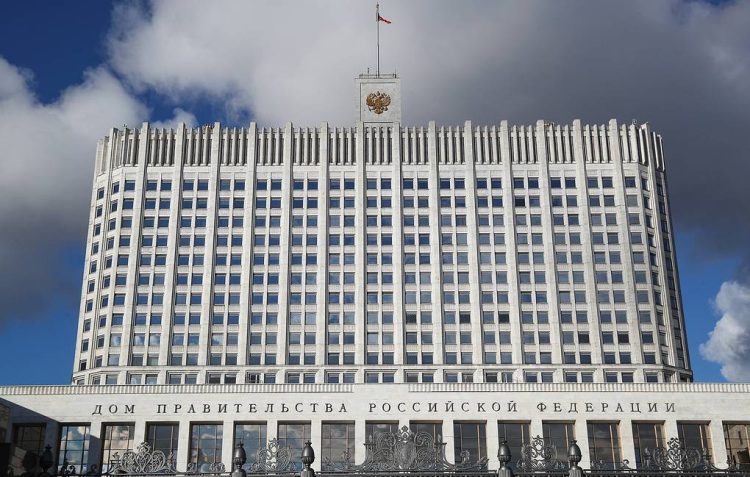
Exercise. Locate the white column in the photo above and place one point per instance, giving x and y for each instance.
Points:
(209, 256)
(436, 262)
(719, 451)
(493, 444)
(398, 249)
(586, 245)
(473, 245)
(322, 268)
(183, 445)
(359, 439)
(588, 255)
(535, 428)
(173, 247)
(449, 439)
(514, 307)
(316, 438)
(135, 250)
(285, 247)
(627, 445)
(360, 189)
(553, 305)
(581, 434)
(96, 438)
(227, 446)
(248, 240)
(623, 230)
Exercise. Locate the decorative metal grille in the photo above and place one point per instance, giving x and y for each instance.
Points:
(677, 457)
(538, 456)
(405, 450)
(206, 468)
(143, 460)
(392, 454)
(272, 458)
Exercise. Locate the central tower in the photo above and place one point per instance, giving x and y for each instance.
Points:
(378, 99)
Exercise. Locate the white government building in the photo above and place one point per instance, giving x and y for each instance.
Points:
(477, 283)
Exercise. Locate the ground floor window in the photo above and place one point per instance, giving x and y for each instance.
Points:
(372, 429)
(294, 435)
(253, 436)
(337, 443)
(470, 437)
(516, 435)
(163, 437)
(647, 435)
(604, 443)
(375, 429)
(205, 445)
(560, 435)
(338, 440)
(30, 439)
(435, 429)
(74, 446)
(696, 435)
(737, 440)
(116, 439)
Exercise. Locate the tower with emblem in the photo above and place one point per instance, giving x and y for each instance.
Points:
(378, 98)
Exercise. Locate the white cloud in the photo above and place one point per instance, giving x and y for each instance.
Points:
(729, 343)
(48, 149)
(474, 60)
(180, 116)
(47, 163)
(240, 55)
(682, 66)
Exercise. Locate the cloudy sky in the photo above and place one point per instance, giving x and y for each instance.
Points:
(70, 71)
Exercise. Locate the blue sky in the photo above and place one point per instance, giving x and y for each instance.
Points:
(154, 63)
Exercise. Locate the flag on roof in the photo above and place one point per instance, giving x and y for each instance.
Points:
(380, 18)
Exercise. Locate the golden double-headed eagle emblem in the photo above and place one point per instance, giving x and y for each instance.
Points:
(378, 102)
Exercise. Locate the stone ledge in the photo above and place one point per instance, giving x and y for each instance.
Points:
(66, 390)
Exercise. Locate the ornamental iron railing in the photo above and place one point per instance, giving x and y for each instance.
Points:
(404, 451)
(393, 454)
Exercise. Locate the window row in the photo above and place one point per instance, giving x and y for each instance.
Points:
(206, 447)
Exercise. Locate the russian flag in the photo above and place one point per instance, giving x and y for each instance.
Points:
(381, 19)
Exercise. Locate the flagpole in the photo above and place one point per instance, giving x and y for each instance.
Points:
(377, 21)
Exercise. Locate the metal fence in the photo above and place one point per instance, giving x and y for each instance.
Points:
(393, 454)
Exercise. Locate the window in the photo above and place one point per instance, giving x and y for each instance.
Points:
(372, 429)
(604, 443)
(74, 446)
(163, 437)
(30, 438)
(253, 436)
(117, 439)
(205, 445)
(560, 435)
(516, 434)
(294, 435)
(647, 435)
(434, 429)
(736, 440)
(697, 435)
(337, 442)
(470, 437)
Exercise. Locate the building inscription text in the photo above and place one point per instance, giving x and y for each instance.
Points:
(388, 407)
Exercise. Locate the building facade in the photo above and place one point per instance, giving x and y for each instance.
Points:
(613, 423)
(478, 284)
(381, 253)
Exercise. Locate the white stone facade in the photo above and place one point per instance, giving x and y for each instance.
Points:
(669, 406)
(381, 253)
